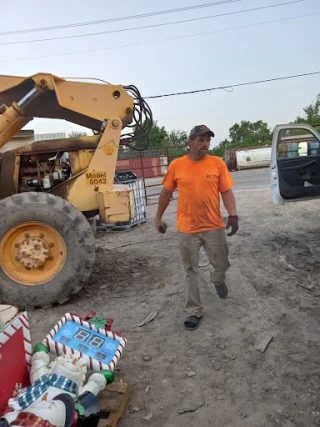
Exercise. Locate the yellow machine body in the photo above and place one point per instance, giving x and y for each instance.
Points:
(105, 108)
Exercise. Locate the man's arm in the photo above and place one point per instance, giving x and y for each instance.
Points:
(229, 202)
(230, 205)
(164, 200)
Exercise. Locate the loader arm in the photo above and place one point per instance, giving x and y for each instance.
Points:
(48, 96)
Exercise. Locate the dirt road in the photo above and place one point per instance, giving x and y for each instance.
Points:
(216, 372)
(250, 179)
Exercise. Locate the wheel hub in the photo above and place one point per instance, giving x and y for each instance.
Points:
(33, 252)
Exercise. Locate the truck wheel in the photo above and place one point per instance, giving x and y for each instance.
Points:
(47, 250)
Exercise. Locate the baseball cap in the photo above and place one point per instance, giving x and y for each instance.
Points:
(200, 130)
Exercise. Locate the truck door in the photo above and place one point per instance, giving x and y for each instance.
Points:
(295, 163)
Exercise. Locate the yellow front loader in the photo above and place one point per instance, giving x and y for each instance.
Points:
(48, 189)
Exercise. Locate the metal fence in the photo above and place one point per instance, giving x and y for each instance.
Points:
(150, 165)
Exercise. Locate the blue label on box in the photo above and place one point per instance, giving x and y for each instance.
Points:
(92, 344)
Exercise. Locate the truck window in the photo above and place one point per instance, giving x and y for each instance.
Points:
(294, 143)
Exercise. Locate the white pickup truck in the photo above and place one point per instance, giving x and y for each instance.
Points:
(295, 163)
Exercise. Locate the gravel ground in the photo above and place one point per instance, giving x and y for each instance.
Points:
(217, 375)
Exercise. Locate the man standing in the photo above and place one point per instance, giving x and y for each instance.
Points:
(200, 178)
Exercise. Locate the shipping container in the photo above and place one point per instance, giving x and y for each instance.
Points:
(231, 159)
(146, 167)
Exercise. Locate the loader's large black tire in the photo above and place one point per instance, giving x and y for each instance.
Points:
(78, 239)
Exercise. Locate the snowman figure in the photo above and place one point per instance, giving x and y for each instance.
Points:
(58, 395)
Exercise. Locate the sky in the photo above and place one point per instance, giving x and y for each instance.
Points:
(217, 58)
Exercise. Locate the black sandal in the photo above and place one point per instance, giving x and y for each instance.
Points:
(192, 322)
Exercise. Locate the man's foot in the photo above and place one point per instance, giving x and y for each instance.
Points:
(192, 322)
(222, 290)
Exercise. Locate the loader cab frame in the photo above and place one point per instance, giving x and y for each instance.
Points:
(295, 163)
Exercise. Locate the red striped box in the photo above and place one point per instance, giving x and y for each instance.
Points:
(15, 352)
(95, 365)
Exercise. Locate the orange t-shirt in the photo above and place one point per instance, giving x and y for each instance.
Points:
(198, 184)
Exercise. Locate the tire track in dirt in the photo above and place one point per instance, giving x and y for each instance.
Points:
(298, 255)
(292, 257)
(247, 293)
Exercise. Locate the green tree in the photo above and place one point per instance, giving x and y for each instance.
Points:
(311, 114)
(250, 133)
(177, 138)
(77, 134)
(219, 150)
(160, 138)
(245, 134)
(157, 137)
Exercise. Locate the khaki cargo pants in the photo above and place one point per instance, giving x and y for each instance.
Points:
(215, 245)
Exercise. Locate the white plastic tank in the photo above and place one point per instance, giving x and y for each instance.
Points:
(254, 158)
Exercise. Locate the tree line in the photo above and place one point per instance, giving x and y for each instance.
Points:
(243, 134)
(159, 137)
(252, 134)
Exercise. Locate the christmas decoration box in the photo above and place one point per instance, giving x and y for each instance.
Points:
(15, 352)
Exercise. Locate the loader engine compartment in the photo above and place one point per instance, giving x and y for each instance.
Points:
(41, 172)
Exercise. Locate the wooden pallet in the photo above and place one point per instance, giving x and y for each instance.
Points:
(113, 403)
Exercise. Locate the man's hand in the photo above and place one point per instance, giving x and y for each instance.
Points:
(233, 222)
(161, 226)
